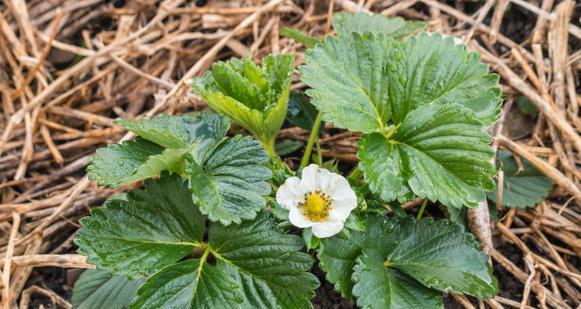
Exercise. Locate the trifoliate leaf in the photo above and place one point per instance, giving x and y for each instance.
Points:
(255, 97)
(362, 82)
(256, 266)
(346, 23)
(379, 287)
(117, 162)
(132, 161)
(386, 266)
(230, 184)
(154, 227)
(438, 152)
(521, 189)
(177, 131)
(98, 289)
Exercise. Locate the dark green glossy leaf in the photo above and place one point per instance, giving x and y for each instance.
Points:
(256, 267)
(117, 162)
(189, 284)
(379, 287)
(98, 289)
(362, 82)
(287, 146)
(154, 227)
(229, 185)
(394, 263)
(301, 112)
(438, 152)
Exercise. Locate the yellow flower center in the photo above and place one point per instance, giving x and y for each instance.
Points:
(316, 206)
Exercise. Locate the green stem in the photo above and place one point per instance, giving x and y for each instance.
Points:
(319, 155)
(314, 135)
(268, 146)
(421, 212)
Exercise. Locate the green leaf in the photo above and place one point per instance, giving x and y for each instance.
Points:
(521, 189)
(255, 97)
(526, 106)
(435, 69)
(382, 287)
(117, 162)
(347, 80)
(266, 263)
(229, 185)
(301, 112)
(362, 82)
(132, 161)
(97, 289)
(154, 227)
(287, 146)
(177, 131)
(189, 284)
(346, 23)
(299, 36)
(386, 266)
(256, 267)
(438, 152)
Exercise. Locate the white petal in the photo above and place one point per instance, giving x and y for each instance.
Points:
(340, 188)
(340, 211)
(327, 228)
(326, 179)
(310, 178)
(290, 193)
(296, 218)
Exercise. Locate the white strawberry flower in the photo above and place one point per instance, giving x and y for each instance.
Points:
(321, 200)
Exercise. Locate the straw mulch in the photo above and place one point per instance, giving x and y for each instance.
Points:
(68, 68)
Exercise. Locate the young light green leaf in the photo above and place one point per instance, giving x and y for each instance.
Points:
(97, 289)
(363, 81)
(299, 36)
(117, 162)
(521, 189)
(255, 97)
(346, 23)
(403, 254)
(230, 184)
(256, 267)
(154, 227)
(438, 152)
(177, 131)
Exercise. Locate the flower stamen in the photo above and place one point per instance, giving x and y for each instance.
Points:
(316, 206)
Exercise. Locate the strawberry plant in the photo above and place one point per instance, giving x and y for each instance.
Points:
(212, 227)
